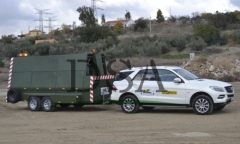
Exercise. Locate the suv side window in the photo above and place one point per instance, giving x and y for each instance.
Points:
(167, 75)
(149, 75)
(123, 75)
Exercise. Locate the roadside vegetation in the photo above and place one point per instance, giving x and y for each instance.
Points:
(172, 38)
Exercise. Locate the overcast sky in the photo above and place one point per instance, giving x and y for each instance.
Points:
(17, 16)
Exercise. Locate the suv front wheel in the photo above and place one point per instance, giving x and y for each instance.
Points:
(130, 104)
(202, 105)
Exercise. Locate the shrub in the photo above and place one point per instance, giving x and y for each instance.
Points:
(113, 54)
(165, 47)
(152, 50)
(42, 48)
(118, 26)
(224, 39)
(140, 25)
(180, 43)
(207, 32)
(1, 63)
(92, 34)
(236, 36)
(197, 44)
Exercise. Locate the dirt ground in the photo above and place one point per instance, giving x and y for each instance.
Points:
(101, 124)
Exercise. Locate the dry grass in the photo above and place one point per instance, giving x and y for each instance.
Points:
(225, 62)
(160, 29)
(199, 60)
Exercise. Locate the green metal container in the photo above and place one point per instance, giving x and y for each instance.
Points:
(73, 79)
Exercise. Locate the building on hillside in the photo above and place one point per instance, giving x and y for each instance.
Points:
(126, 23)
(48, 40)
(35, 32)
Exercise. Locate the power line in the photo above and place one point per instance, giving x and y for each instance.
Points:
(41, 12)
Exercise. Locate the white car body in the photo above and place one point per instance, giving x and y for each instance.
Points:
(173, 93)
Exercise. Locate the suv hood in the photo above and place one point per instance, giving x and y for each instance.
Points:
(209, 82)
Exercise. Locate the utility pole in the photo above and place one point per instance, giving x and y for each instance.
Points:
(150, 26)
(94, 7)
(41, 12)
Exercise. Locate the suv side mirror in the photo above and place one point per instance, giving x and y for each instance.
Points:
(177, 80)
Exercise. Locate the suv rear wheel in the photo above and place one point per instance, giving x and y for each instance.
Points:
(130, 104)
(202, 105)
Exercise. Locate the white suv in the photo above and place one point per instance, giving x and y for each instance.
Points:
(169, 86)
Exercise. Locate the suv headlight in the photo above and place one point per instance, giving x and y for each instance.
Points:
(216, 88)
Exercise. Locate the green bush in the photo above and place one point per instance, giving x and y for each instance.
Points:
(197, 44)
(113, 53)
(1, 63)
(224, 39)
(92, 34)
(180, 44)
(42, 48)
(152, 50)
(236, 36)
(140, 25)
(207, 32)
(165, 47)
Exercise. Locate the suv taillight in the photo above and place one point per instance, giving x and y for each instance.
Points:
(114, 88)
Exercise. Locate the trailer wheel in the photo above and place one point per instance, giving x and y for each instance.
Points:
(48, 105)
(13, 95)
(34, 103)
(130, 104)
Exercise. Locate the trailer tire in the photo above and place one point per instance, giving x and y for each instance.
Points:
(34, 103)
(48, 105)
(13, 95)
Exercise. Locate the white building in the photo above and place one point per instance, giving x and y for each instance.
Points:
(126, 23)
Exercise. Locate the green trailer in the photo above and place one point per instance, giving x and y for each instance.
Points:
(64, 80)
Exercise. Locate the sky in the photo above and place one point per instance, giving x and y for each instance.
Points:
(18, 16)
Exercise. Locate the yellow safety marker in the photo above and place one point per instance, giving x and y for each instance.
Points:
(169, 92)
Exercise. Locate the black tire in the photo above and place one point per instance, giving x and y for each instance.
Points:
(146, 108)
(219, 108)
(130, 104)
(13, 95)
(34, 103)
(202, 105)
(64, 105)
(48, 105)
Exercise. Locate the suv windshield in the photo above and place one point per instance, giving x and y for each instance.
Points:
(123, 75)
(186, 74)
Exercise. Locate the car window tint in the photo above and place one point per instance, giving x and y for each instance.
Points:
(166, 75)
(123, 75)
(149, 75)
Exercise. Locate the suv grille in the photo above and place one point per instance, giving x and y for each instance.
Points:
(229, 89)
